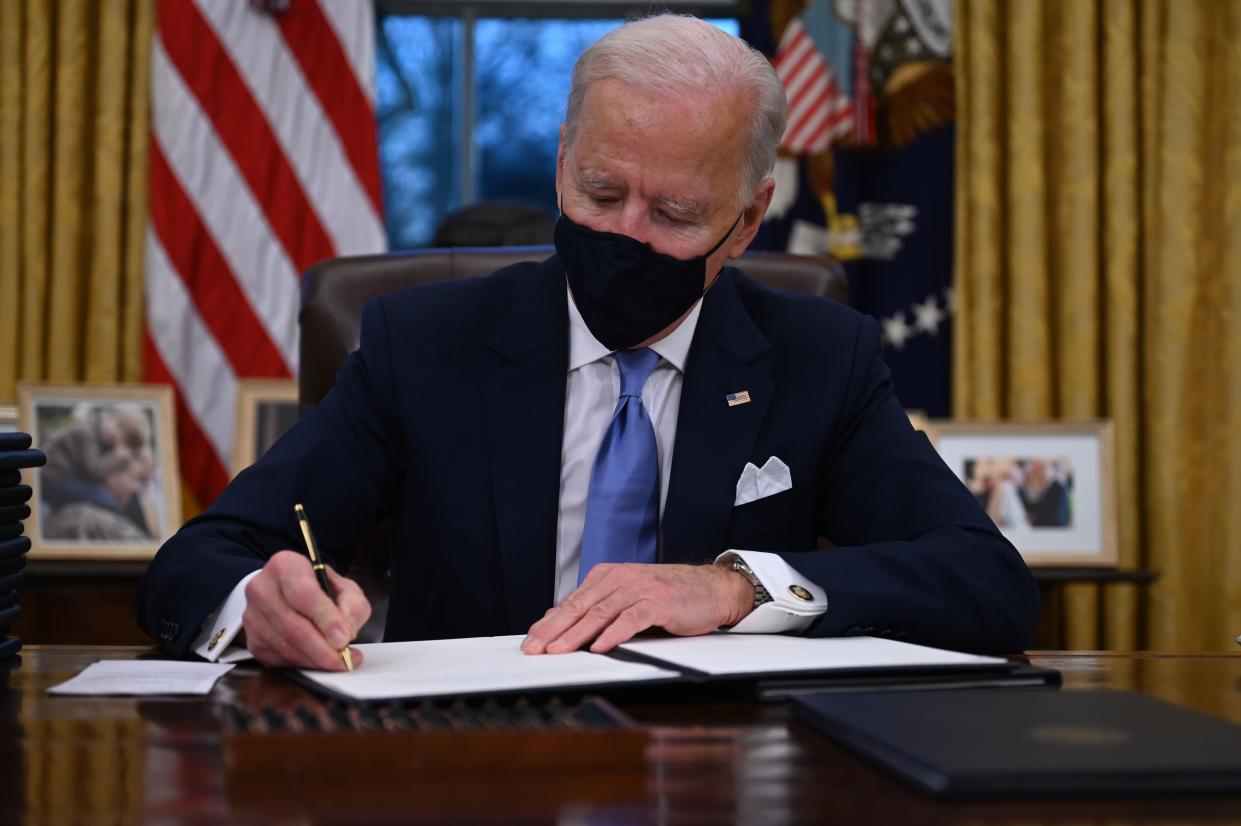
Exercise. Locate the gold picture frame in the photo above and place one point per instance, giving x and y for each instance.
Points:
(1050, 486)
(266, 408)
(111, 487)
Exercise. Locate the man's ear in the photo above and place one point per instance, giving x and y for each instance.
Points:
(752, 219)
(560, 153)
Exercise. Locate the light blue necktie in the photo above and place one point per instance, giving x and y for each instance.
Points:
(622, 507)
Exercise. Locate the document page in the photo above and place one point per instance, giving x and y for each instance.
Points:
(723, 655)
(141, 677)
(437, 668)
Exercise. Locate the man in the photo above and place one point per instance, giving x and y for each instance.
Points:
(627, 401)
(1044, 496)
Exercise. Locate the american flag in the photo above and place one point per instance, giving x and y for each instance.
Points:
(263, 161)
(818, 109)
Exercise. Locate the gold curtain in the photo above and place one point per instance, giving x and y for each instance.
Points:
(1098, 274)
(73, 189)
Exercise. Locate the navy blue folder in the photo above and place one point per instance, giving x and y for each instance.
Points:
(1005, 742)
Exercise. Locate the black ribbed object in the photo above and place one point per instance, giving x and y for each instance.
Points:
(15, 455)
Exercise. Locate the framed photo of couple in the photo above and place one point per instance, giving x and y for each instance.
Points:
(1049, 486)
(110, 488)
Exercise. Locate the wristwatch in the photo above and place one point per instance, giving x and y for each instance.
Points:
(761, 595)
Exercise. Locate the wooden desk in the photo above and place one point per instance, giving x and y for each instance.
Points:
(1050, 631)
(104, 591)
(110, 760)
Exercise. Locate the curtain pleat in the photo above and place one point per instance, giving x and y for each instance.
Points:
(1120, 223)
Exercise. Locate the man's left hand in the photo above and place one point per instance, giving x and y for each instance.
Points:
(615, 602)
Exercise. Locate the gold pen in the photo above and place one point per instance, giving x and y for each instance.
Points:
(320, 571)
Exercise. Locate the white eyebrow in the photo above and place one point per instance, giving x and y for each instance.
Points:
(683, 207)
(592, 180)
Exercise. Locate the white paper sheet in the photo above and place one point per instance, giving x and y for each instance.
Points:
(740, 654)
(436, 668)
(142, 677)
(235, 654)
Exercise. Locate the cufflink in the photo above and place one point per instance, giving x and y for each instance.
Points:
(801, 593)
(215, 639)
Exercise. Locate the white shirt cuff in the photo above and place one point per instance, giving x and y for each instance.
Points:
(223, 624)
(789, 610)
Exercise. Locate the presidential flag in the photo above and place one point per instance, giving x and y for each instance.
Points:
(865, 171)
(263, 161)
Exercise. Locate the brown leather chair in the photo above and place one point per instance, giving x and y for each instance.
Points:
(335, 291)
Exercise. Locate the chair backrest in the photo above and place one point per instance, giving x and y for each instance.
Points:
(496, 224)
(335, 291)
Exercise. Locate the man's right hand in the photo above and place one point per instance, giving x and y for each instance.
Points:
(290, 622)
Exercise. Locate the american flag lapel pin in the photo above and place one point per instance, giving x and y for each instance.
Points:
(734, 399)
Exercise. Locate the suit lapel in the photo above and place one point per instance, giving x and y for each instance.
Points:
(713, 440)
(524, 400)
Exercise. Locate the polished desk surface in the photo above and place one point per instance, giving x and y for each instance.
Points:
(94, 760)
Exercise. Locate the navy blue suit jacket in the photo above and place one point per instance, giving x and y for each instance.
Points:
(449, 419)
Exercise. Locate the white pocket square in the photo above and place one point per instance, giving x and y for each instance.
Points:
(758, 483)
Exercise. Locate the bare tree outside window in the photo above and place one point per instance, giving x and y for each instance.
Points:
(435, 156)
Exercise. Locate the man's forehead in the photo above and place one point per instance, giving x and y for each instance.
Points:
(686, 147)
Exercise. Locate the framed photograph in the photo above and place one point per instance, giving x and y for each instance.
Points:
(265, 410)
(110, 487)
(8, 418)
(1050, 487)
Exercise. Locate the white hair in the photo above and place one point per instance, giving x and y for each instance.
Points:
(677, 55)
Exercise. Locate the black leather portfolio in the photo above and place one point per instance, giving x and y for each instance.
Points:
(989, 742)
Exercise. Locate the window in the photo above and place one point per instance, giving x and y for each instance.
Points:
(469, 109)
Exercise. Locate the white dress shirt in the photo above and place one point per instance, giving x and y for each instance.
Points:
(591, 392)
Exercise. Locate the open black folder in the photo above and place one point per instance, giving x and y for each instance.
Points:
(773, 666)
(962, 744)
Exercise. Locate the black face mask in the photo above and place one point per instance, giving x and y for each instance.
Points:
(625, 291)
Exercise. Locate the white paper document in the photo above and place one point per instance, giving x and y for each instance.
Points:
(141, 677)
(235, 654)
(436, 668)
(756, 654)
